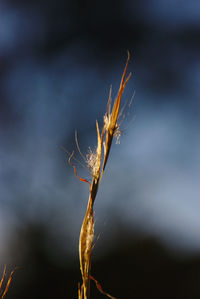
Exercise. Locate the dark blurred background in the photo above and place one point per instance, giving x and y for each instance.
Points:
(57, 62)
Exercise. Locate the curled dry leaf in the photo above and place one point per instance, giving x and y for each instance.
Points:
(99, 287)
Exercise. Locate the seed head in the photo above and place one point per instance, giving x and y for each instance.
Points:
(92, 162)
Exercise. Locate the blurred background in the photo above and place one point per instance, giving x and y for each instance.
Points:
(57, 62)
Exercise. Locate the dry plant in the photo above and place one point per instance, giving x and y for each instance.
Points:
(8, 282)
(96, 161)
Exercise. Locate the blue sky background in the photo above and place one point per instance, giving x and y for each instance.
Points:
(57, 63)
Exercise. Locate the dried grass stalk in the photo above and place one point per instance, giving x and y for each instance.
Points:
(97, 162)
(8, 282)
